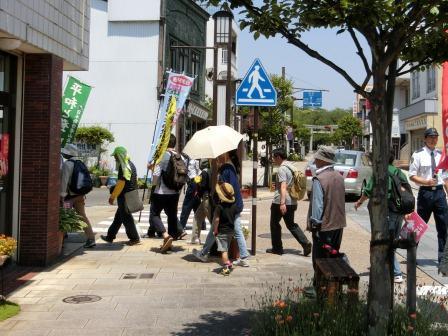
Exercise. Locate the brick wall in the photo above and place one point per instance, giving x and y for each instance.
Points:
(40, 179)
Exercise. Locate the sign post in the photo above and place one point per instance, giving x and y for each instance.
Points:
(255, 90)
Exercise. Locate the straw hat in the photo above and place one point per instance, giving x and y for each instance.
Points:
(225, 192)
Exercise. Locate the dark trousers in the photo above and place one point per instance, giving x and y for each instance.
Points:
(167, 203)
(332, 238)
(125, 218)
(276, 229)
(434, 201)
(191, 202)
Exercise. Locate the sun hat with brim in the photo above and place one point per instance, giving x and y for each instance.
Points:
(325, 153)
(70, 150)
(225, 192)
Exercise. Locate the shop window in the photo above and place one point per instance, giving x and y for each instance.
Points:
(430, 80)
(415, 83)
(195, 69)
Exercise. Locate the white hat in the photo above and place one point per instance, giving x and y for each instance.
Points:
(70, 149)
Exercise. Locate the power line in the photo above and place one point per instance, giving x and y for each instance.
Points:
(306, 82)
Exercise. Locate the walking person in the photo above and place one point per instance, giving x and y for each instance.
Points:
(228, 168)
(431, 195)
(394, 218)
(192, 199)
(166, 198)
(326, 213)
(126, 181)
(223, 223)
(284, 206)
(204, 209)
(77, 201)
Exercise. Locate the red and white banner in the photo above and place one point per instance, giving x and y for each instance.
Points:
(443, 164)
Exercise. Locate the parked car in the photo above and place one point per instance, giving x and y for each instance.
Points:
(354, 166)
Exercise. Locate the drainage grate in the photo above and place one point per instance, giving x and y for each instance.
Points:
(131, 276)
(77, 299)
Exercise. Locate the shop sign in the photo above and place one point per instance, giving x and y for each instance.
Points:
(395, 126)
(415, 123)
(198, 111)
(74, 102)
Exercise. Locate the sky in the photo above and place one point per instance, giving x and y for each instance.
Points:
(304, 71)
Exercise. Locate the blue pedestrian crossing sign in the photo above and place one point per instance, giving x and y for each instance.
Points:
(256, 89)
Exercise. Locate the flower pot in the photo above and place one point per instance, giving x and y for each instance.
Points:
(246, 192)
(103, 180)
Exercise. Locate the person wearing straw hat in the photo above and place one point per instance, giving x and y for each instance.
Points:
(223, 222)
(326, 213)
(69, 153)
(127, 181)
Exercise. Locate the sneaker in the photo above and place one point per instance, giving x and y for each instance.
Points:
(398, 279)
(307, 249)
(106, 239)
(225, 271)
(241, 262)
(132, 242)
(199, 255)
(89, 243)
(196, 241)
(167, 243)
(274, 251)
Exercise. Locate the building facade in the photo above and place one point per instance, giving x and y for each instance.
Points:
(129, 56)
(38, 40)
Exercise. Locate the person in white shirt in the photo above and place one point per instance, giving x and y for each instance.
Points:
(431, 194)
(166, 199)
(69, 152)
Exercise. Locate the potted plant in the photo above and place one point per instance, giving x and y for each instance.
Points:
(8, 246)
(69, 221)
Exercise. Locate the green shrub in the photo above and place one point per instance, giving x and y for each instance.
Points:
(295, 157)
(70, 221)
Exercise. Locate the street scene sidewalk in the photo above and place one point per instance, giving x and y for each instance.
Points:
(114, 289)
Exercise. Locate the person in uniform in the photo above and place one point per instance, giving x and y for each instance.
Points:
(431, 195)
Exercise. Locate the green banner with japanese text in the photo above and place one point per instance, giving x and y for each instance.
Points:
(74, 102)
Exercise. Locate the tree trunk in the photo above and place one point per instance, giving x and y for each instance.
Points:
(380, 298)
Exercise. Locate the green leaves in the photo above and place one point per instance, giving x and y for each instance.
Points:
(70, 221)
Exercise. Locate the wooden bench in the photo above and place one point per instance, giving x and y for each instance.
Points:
(331, 275)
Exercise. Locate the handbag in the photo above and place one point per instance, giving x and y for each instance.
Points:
(133, 202)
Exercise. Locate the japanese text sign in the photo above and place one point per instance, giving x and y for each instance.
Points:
(74, 102)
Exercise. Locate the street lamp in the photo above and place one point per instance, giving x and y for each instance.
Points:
(222, 39)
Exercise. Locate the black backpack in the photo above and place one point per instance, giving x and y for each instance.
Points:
(401, 200)
(81, 183)
(175, 176)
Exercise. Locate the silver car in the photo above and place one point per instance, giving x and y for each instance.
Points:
(354, 166)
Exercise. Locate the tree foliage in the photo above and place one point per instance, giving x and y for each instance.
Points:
(94, 135)
(413, 31)
(348, 128)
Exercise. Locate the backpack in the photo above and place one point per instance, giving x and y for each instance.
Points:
(297, 189)
(401, 200)
(80, 183)
(176, 173)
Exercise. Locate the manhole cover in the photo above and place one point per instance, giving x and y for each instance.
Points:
(268, 235)
(77, 299)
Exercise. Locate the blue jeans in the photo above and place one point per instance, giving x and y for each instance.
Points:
(210, 240)
(191, 202)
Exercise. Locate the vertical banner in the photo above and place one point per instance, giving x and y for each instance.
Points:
(163, 143)
(177, 86)
(443, 164)
(74, 102)
(4, 153)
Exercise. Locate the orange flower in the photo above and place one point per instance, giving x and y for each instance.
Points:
(288, 318)
(282, 305)
(413, 316)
